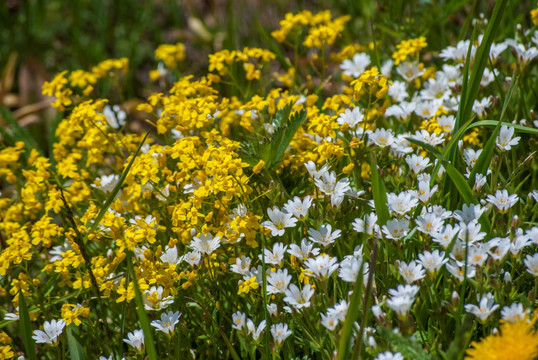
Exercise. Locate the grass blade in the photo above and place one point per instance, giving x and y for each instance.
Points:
(26, 328)
(149, 345)
(379, 193)
(75, 349)
(114, 192)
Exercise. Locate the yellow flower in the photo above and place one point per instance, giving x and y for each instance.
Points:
(170, 54)
(515, 341)
(408, 47)
(534, 16)
(256, 169)
(247, 285)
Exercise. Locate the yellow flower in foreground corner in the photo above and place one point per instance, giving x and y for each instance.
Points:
(515, 341)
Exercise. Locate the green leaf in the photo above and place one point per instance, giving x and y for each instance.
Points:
(379, 193)
(114, 192)
(26, 328)
(149, 345)
(494, 123)
(290, 128)
(410, 349)
(75, 349)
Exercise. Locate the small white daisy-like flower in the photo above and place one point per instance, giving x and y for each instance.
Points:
(445, 235)
(411, 272)
(417, 163)
(401, 304)
(298, 298)
(396, 229)
(498, 248)
(328, 185)
(432, 261)
(193, 258)
(504, 140)
(242, 265)
(280, 332)
(351, 118)
(279, 221)
(50, 333)
(514, 313)
(531, 262)
(322, 266)
(329, 321)
(381, 137)
(502, 200)
(255, 331)
(304, 251)
(368, 225)
(410, 70)
(154, 299)
(205, 243)
(402, 203)
(398, 91)
(356, 66)
(339, 310)
(479, 107)
(427, 109)
(171, 257)
(167, 323)
(275, 257)
(136, 339)
(278, 281)
(387, 355)
(457, 269)
(429, 223)
(297, 207)
(485, 308)
(107, 183)
(325, 236)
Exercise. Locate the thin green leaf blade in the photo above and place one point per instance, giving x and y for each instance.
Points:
(26, 328)
(379, 193)
(75, 349)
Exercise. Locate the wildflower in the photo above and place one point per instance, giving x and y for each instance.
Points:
(514, 313)
(396, 229)
(477, 254)
(485, 309)
(136, 339)
(193, 258)
(52, 330)
(424, 192)
(350, 118)
(329, 321)
(356, 66)
(500, 246)
(368, 225)
(238, 319)
(426, 137)
(401, 203)
(457, 269)
(429, 223)
(154, 300)
(298, 298)
(417, 163)
(381, 137)
(387, 355)
(278, 281)
(519, 242)
(398, 91)
(247, 285)
(107, 182)
(280, 332)
(167, 323)
(276, 256)
(479, 107)
(297, 207)
(205, 243)
(170, 256)
(404, 290)
(339, 310)
(514, 341)
(324, 236)
(322, 266)
(427, 109)
(115, 117)
(255, 331)
(401, 304)
(468, 213)
(410, 70)
(411, 272)
(304, 251)
(504, 140)
(327, 184)
(279, 221)
(432, 261)
(531, 262)
(502, 200)
(242, 265)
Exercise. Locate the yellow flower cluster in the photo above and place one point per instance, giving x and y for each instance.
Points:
(370, 82)
(407, 48)
(251, 58)
(71, 313)
(534, 16)
(170, 54)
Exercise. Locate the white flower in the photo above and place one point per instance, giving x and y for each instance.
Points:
(405, 290)
(431, 139)
(276, 256)
(387, 355)
(457, 269)
(514, 313)
(381, 137)
(321, 266)
(193, 258)
(154, 300)
(471, 157)
(396, 229)
(502, 200)
(427, 109)
(468, 213)
(255, 331)
(327, 184)
(471, 232)
(531, 262)
(446, 122)
(171, 257)
(400, 304)
(279, 221)
(136, 339)
(238, 319)
(324, 236)
(409, 70)
(411, 272)
(302, 253)
(280, 332)
(339, 310)
(242, 265)
(350, 117)
(298, 298)
(107, 182)
(368, 225)
(479, 107)
(432, 261)
(444, 236)
(417, 163)
(350, 267)
(429, 223)
(356, 66)
(401, 111)
(477, 254)
(329, 321)
(115, 117)
(167, 323)
(519, 242)
(52, 330)
(205, 243)
(401, 203)
(278, 281)
(500, 248)
(398, 91)
(297, 207)
(505, 141)
(485, 308)
(424, 192)
(314, 173)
